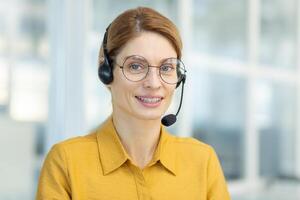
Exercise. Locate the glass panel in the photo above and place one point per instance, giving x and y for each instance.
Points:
(29, 69)
(4, 68)
(219, 117)
(24, 78)
(278, 33)
(4, 82)
(29, 83)
(220, 27)
(276, 118)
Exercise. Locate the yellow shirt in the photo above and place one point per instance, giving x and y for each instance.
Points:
(96, 167)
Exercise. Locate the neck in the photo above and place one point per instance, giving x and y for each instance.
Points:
(139, 137)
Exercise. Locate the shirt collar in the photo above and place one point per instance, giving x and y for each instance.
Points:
(165, 153)
(113, 155)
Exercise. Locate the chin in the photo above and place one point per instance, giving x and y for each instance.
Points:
(149, 115)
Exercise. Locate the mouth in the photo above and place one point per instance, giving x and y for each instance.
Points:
(149, 101)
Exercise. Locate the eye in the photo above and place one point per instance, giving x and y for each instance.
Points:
(135, 66)
(167, 68)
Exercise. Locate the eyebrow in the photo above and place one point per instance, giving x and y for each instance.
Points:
(136, 58)
(141, 58)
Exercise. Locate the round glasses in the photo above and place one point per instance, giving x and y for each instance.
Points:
(135, 68)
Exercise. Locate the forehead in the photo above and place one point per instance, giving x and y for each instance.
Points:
(150, 45)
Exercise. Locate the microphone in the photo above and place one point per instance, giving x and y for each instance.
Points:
(170, 119)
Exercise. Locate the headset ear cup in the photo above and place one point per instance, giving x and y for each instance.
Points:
(105, 72)
(105, 69)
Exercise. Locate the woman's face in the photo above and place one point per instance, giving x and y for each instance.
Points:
(150, 97)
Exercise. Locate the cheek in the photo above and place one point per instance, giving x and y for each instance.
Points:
(117, 86)
(170, 91)
(121, 90)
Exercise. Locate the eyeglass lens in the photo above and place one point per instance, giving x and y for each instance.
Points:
(171, 71)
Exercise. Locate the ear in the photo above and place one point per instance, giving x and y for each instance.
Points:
(108, 87)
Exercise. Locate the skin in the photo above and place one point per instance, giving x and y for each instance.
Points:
(138, 126)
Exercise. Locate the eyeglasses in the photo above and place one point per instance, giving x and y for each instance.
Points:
(135, 68)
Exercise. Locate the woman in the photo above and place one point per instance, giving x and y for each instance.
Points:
(131, 155)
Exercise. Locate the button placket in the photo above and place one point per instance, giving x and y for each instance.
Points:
(140, 177)
(141, 184)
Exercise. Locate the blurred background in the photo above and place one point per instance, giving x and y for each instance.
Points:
(242, 91)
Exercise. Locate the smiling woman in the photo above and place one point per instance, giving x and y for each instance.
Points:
(149, 97)
(131, 155)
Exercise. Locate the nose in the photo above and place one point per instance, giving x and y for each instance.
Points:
(153, 79)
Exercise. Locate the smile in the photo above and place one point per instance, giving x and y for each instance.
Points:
(149, 101)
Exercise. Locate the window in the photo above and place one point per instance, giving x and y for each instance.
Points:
(24, 78)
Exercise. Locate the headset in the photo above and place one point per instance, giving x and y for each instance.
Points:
(105, 74)
(105, 69)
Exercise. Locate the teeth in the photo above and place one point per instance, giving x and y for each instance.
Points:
(149, 100)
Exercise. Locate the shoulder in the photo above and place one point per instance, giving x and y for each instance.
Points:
(76, 145)
(79, 140)
(192, 148)
(191, 144)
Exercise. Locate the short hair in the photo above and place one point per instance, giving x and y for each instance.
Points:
(132, 23)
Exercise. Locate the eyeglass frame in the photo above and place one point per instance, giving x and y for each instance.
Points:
(154, 66)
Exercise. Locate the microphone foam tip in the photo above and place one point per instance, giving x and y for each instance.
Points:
(168, 120)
